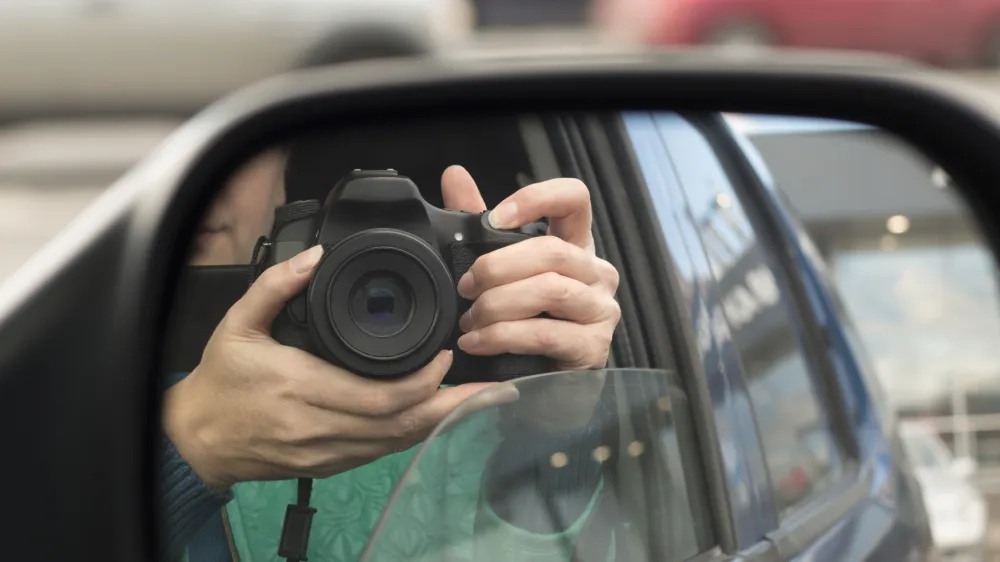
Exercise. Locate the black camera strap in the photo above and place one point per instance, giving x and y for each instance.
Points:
(298, 522)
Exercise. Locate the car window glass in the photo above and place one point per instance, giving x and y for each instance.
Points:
(633, 433)
(911, 278)
(802, 454)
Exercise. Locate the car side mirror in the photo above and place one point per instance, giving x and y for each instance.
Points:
(83, 325)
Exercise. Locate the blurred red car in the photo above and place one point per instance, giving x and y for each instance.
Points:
(946, 32)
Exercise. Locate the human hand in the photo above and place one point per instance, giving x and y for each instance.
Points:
(558, 274)
(254, 409)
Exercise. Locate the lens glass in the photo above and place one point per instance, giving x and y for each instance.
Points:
(381, 304)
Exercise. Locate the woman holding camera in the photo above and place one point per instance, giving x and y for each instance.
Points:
(255, 415)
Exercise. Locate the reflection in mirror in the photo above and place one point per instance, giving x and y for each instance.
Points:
(622, 477)
(351, 289)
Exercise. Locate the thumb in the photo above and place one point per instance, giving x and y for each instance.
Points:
(269, 293)
(460, 192)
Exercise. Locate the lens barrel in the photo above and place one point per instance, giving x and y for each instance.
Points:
(381, 303)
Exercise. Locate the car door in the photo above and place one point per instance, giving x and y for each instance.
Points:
(814, 495)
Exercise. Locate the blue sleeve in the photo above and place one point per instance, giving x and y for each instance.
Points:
(187, 502)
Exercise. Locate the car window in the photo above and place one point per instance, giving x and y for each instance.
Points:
(853, 339)
(802, 453)
(633, 431)
(910, 275)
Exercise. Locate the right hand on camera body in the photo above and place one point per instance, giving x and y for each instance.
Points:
(254, 409)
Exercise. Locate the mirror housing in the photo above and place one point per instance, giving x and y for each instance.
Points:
(100, 293)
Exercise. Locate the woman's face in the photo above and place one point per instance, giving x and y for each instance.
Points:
(242, 212)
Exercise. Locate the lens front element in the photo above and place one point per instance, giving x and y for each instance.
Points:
(382, 304)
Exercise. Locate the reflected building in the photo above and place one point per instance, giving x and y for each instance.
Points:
(912, 268)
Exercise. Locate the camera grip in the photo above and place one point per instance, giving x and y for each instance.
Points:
(286, 332)
(204, 295)
(497, 368)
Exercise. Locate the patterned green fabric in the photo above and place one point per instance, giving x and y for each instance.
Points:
(439, 515)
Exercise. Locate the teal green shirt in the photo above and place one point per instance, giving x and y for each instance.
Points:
(439, 512)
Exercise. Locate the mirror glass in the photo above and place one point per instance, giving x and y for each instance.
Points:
(549, 298)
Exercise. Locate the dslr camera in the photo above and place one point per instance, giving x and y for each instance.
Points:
(382, 301)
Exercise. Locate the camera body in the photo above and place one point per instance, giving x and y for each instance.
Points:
(382, 301)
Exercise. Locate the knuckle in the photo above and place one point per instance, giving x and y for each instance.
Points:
(556, 287)
(614, 312)
(378, 402)
(548, 339)
(484, 306)
(577, 188)
(610, 274)
(601, 360)
(407, 427)
(596, 352)
(501, 334)
(579, 353)
(287, 432)
(557, 249)
(485, 270)
(605, 337)
(304, 461)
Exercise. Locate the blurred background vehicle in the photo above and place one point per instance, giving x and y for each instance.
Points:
(955, 507)
(113, 56)
(963, 33)
(491, 14)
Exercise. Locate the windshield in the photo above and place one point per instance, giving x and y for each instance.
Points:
(501, 488)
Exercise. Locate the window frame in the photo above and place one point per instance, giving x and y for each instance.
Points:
(818, 514)
(587, 148)
(664, 281)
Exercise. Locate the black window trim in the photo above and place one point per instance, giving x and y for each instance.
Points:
(752, 196)
(587, 155)
(689, 365)
(666, 285)
(816, 515)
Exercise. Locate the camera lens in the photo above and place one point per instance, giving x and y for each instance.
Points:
(381, 304)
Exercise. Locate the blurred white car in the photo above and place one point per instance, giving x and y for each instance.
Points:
(121, 55)
(956, 508)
